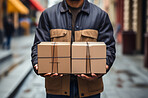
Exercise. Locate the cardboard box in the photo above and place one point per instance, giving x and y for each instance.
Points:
(54, 57)
(88, 57)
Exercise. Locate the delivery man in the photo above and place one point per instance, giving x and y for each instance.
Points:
(74, 21)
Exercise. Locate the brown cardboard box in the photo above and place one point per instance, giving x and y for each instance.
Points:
(88, 57)
(54, 57)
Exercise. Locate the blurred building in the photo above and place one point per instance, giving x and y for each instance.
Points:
(45, 5)
(16, 8)
(36, 7)
(109, 7)
(131, 14)
(1, 14)
(1, 22)
(25, 14)
(11, 8)
(135, 17)
(132, 18)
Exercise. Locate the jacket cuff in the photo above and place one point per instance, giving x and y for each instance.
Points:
(33, 64)
(109, 65)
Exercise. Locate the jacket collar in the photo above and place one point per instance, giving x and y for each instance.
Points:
(85, 7)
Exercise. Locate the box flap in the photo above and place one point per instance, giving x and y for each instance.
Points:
(97, 49)
(79, 50)
(62, 49)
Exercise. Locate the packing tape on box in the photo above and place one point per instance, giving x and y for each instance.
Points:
(54, 58)
(55, 62)
(88, 62)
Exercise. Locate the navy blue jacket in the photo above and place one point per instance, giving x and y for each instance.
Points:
(90, 17)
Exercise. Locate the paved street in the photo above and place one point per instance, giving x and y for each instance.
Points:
(14, 69)
(127, 79)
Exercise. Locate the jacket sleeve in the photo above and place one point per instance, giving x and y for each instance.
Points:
(106, 35)
(42, 34)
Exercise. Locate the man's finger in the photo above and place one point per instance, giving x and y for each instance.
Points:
(79, 75)
(84, 76)
(94, 75)
(90, 78)
(61, 75)
(56, 74)
(53, 75)
(36, 67)
(47, 74)
(107, 66)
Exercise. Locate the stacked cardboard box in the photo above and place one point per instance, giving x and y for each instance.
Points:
(54, 57)
(88, 57)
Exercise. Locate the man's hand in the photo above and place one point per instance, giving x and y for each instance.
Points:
(93, 76)
(48, 74)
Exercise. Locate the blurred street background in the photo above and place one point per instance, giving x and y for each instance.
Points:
(128, 78)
